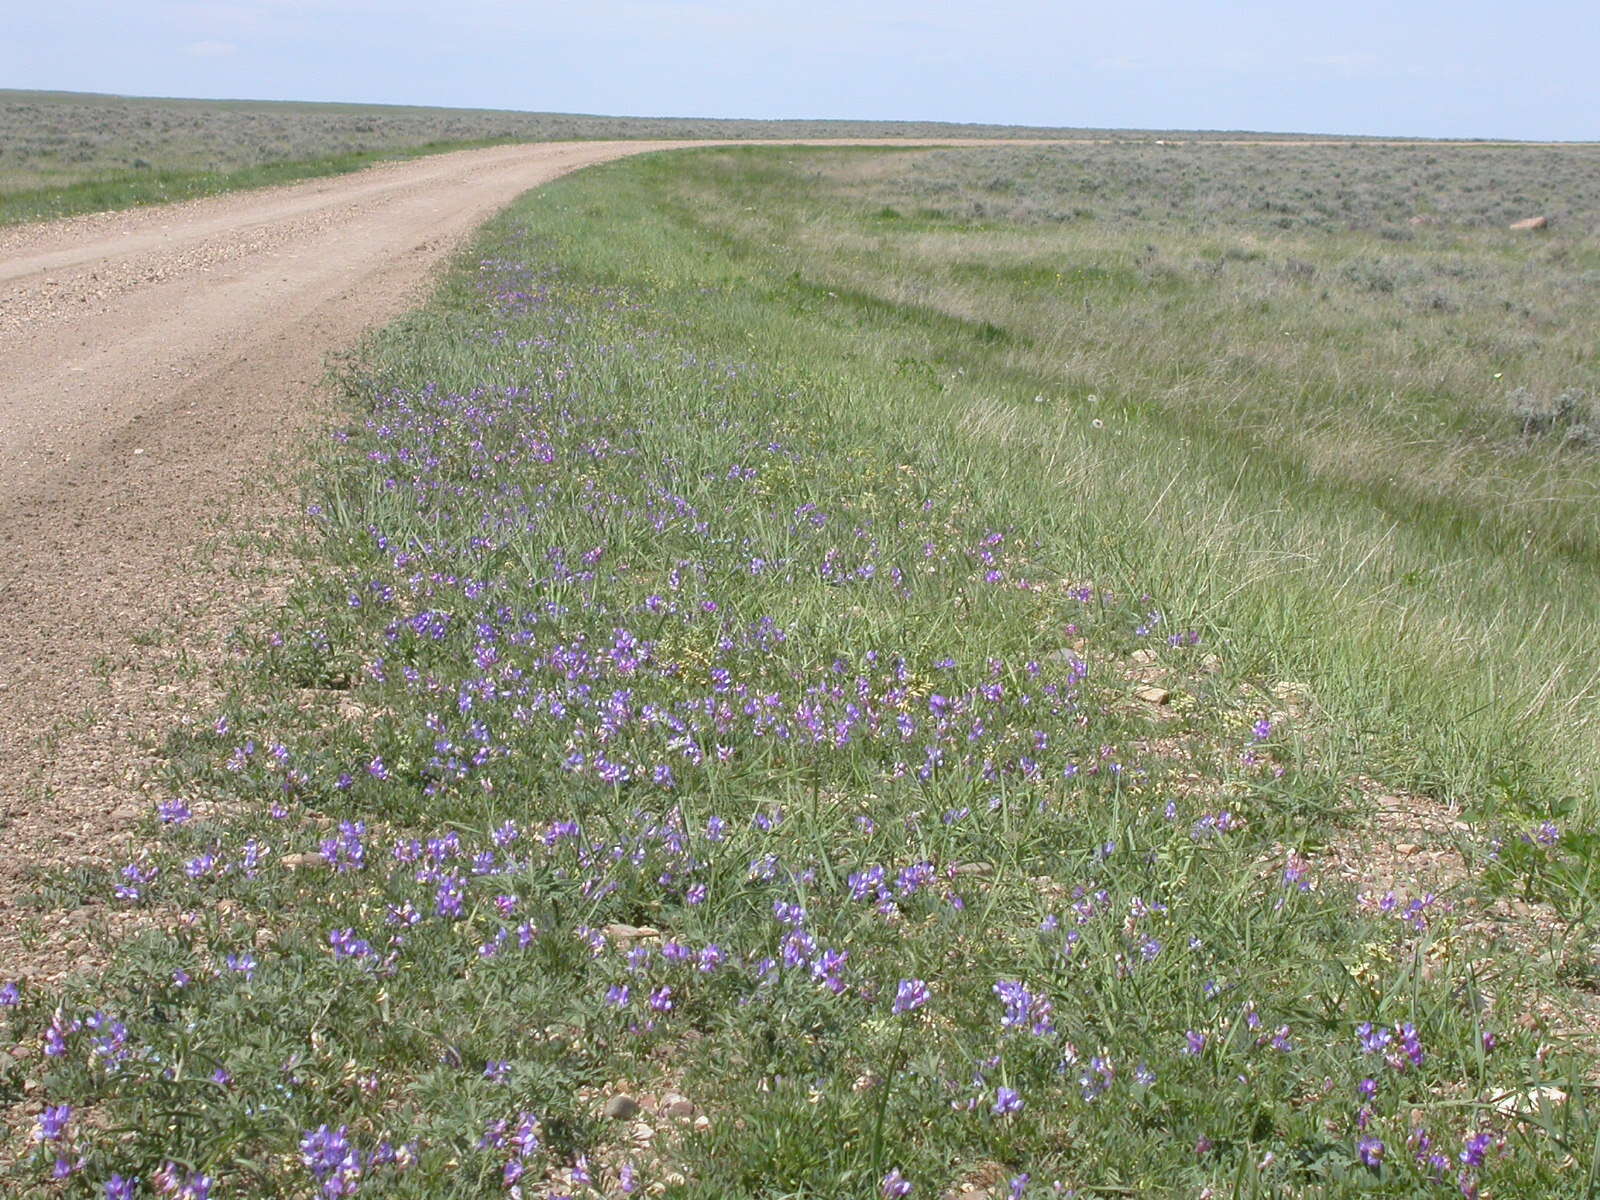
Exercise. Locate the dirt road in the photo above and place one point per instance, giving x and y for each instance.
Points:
(152, 364)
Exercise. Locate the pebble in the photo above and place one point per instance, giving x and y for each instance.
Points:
(679, 1107)
(621, 1108)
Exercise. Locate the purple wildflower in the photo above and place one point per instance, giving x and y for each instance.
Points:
(1373, 1039)
(346, 944)
(448, 896)
(1476, 1149)
(332, 1160)
(1006, 1101)
(53, 1121)
(911, 994)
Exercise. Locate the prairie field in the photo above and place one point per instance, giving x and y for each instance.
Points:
(63, 153)
(1020, 671)
(1371, 442)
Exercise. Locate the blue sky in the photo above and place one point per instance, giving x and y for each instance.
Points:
(1470, 68)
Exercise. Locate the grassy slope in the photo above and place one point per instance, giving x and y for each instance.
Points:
(631, 496)
(1427, 570)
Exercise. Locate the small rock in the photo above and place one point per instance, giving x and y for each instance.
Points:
(296, 862)
(1531, 223)
(621, 1108)
(678, 1107)
(1154, 695)
(984, 1182)
(1407, 848)
(1144, 656)
(1531, 1101)
(973, 868)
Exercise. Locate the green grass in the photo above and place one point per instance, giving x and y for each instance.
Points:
(685, 605)
(1332, 476)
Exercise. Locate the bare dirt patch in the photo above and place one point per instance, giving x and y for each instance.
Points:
(1412, 849)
